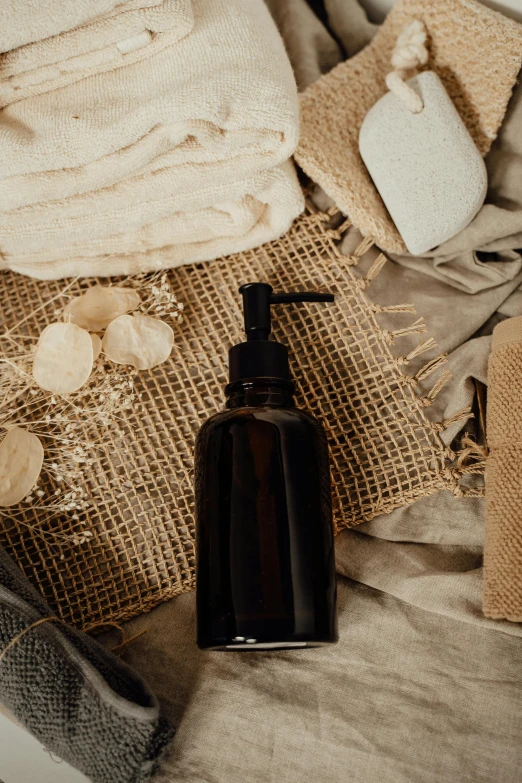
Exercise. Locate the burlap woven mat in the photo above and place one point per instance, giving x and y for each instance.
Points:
(349, 371)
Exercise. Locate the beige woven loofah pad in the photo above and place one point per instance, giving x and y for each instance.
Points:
(476, 52)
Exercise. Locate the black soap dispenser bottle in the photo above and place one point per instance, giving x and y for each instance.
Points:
(265, 551)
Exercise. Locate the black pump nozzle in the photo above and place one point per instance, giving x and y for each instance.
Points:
(257, 298)
(259, 356)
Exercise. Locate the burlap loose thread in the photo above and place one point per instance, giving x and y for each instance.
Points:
(53, 619)
(16, 639)
(349, 370)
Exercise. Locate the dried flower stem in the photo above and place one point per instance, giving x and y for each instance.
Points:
(72, 428)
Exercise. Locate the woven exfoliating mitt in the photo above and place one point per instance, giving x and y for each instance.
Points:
(503, 544)
(476, 52)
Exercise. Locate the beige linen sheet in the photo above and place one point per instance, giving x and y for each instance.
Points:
(414, 691)
(422, 688)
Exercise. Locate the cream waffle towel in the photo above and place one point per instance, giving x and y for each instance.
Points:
(178, 155)
(131, 32)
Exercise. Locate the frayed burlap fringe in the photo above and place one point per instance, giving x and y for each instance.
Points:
(350, 371)
(476, 52)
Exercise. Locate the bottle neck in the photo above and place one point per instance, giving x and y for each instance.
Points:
(260, 392)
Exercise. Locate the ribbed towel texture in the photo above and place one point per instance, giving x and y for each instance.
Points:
(180, 157)
(503, 546)
(132, 32)
(78, 699)
(27, 21)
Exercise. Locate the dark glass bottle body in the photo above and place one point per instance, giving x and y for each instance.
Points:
(265, 552)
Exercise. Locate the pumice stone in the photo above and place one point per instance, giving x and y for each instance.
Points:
(425, 166)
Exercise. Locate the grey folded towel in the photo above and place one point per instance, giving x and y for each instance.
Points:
(78, 699)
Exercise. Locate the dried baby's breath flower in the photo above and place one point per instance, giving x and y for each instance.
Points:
(72, 430)
(73, 427)
(158, 299)
(63, 359)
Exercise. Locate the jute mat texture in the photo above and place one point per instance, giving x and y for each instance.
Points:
(385, 450)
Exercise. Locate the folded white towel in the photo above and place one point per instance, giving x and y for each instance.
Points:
(132, 32)
(222, 95)
(240, 216)
(178, 155)
(26, 21)
(124, 208)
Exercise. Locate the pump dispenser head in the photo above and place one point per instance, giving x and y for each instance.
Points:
(260, 357)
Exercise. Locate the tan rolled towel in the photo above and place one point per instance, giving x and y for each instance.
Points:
(503, 546)
(131, 32)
